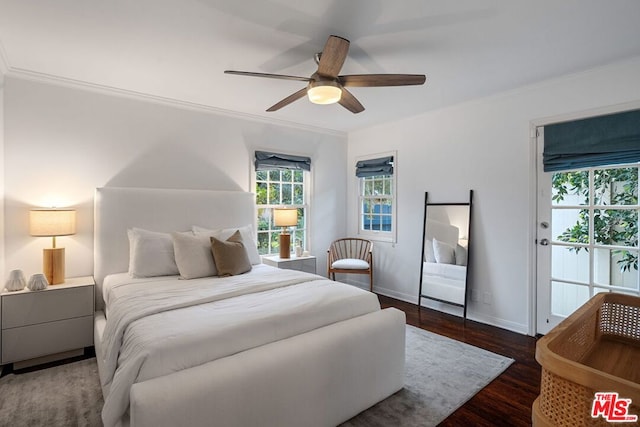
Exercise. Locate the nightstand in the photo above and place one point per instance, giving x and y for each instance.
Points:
(51, 324)
(301, 263)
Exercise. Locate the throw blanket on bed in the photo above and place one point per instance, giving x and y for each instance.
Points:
(159, 327)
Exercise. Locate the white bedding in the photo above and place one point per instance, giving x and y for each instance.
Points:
(445, 282)
(449, 271)
(156, 327)
(120, 279)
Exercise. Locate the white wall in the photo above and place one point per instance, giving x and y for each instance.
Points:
(2, 275)
(483, 145)
(61, 143)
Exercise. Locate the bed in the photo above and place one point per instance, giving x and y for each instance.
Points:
(268, 347)
(444, 270)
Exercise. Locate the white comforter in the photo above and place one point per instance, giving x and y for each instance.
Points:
(449, 271)
(158, 327)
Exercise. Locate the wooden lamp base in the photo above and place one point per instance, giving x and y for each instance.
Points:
(53, 265)
(285, 245)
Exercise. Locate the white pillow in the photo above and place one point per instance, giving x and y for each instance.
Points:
(429, 256)
(150, 254)
(443, 252)
(224, 233)
(193, 255)
(461, 255)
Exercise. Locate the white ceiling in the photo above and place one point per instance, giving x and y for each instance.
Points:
(178, 49)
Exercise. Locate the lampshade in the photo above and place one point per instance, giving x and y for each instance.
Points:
(325, 92)
(52, 222)
(285, 217)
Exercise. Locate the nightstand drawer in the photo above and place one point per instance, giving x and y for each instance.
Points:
(309, 265)
(305, 263)
(290, 265)
(46, 306)
(33, 341)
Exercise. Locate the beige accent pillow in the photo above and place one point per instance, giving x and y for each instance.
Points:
(461, 255)
(193, 256)
(230, 256)
(248, 239)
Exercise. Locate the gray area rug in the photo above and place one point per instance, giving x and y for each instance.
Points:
(64, 395)
(442, 374)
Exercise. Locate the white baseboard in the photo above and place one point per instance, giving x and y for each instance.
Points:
(500, 323)
(413, 299)
(455, 311)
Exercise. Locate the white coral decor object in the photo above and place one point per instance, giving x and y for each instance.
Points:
(16, 281)
(38, 282)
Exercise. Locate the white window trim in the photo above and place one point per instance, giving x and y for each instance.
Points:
(379, 236)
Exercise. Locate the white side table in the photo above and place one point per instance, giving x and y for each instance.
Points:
(301, 263)
(46, 325)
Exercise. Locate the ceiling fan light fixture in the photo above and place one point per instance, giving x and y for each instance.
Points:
(327, 86)
(324, 92)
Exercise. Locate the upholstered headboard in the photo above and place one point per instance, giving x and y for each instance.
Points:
(117, 209)
(446, 233)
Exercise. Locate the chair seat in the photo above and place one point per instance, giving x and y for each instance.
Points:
(350, 264)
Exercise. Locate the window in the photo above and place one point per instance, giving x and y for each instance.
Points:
(277, 188)
(376, 205)
(594, 217)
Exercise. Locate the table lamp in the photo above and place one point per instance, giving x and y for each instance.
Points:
(52, 223)
(285, 217)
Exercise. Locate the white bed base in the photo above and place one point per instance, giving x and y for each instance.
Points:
(320, 378)
(443, 289)
(445, 283)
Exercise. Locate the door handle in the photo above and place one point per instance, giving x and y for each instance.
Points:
(544, 242)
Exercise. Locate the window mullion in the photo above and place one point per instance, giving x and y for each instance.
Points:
(592, 236)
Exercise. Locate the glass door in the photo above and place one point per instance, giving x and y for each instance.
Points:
(587, 237)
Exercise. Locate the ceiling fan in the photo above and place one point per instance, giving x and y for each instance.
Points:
(325, 86)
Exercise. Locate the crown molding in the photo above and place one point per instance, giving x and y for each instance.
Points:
(25, 74)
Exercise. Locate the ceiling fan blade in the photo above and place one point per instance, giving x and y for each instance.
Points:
(270, 76)
(333, 56)
(348, 101)
(288, 100)
(372, 80)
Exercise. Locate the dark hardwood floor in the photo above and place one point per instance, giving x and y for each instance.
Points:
(507, 400)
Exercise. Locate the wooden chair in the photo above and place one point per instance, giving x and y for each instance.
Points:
(351, 256)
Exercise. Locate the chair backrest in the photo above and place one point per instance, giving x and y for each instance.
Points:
(353, 248)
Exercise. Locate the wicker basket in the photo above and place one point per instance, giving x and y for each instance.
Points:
(596, 349)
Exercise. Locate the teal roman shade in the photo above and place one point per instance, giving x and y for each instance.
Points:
(382, 166)
(266, 160)
(596, 141)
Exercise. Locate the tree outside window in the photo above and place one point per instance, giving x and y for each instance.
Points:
(611, 196)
